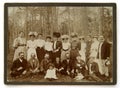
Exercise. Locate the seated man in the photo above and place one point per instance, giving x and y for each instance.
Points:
(19, 66)
(66, 65)
(44, 63)
(33, 64)
(79, 68)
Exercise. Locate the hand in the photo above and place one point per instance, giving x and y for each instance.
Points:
(20, 68)
(24, 72)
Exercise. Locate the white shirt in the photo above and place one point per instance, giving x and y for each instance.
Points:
(54, 44)
(40, 43)
(31, 44)
(48, 46)
(100, 50)
(65, 46)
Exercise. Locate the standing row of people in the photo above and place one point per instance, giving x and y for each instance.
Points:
(69, 55)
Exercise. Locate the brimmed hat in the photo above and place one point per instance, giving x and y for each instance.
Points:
(31, 34)
(65, 36)
(74, 35)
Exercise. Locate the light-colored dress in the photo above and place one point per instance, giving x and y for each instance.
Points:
(51, 73)
(65, 49)
(20, 46)
(31, 45)
(83, 51)
(94, 49)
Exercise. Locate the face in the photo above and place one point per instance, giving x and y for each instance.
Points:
(33, 55)
(55, 39)
(22, 55)
(48, 40)
(32, 37)
(21, 34)
(88, 38)
(101, 39)
(67, 55)
(57, 59)
(78, 57)
(46, 56)
(94, 39)
(39, 36)
(51, 67)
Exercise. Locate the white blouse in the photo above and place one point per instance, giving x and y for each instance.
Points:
(40, 43)
(66, 46)
(48, 46)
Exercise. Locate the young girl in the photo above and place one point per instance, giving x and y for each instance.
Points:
(51, 73)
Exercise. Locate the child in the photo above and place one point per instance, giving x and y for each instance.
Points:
(51, 73)
(57, 64)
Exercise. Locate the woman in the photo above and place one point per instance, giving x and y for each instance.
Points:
(31, 46)
(19, 45)
(83, 49)
(40, 47)
(65, 47)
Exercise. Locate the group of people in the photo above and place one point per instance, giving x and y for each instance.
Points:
(74, 56)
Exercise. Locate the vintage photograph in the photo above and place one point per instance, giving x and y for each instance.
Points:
(57, 43)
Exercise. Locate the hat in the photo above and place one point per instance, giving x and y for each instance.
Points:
(64, 36)
(74, 35)
(31, 34)
(56, 34)
(48, 37)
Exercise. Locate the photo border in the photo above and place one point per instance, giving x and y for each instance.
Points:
(6, 5)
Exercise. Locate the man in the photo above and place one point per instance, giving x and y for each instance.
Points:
(44, 63)
(103, 55)
(19, 66)
(75, 46)
(33, 64)
(57, 45)
(67, 65)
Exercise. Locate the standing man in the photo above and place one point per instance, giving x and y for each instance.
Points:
(103, 55)
(57, 45)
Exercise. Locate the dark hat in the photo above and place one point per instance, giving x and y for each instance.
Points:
(56, 34)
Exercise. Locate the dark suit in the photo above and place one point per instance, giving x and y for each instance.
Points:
(67, 65)
(58, 47)
(105, 50)
(16, 65)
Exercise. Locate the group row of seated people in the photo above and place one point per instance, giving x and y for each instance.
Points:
(68, 56)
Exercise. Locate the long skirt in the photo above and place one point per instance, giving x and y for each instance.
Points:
(40, 53)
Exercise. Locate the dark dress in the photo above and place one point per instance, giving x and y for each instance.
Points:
(58, 53)
(17, 64)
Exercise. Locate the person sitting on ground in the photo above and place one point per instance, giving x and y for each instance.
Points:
(51, 72)
(33, 64)
(19, 66)
(44, 63)
(66, 65)
(79, 68)
(57, 64)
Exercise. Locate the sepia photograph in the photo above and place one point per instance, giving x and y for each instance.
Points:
(60, 43)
